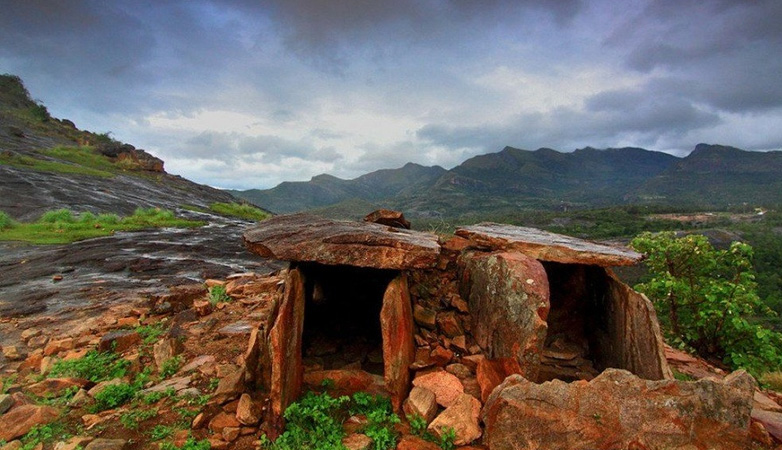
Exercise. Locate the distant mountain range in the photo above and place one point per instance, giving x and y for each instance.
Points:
(711, 176)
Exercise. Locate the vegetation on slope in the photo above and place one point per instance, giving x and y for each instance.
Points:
(63, 226)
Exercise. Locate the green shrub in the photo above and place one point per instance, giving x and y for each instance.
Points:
(5, 221)
(706, 297)
(114, 396)
(160, 432)
(42, 434)
(94, 366)
(40, 112)
(217, 294)
(107, 219)
(132, 419)
(150, 333)
(170, 366)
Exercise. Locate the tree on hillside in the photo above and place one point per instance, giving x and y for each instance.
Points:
(705, 298)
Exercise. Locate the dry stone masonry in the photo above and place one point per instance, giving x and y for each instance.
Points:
(474, 331)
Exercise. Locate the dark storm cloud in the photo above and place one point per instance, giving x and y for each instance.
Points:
(267, 149)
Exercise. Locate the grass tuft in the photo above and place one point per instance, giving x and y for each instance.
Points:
(240, 210)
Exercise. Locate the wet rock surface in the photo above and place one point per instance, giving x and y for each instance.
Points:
(100, 272)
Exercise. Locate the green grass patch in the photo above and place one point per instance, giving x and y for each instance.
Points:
(63, 226)
(45, 165)
(150, 333)
(190, 444)
(6, 221)
(132, 419)
(114, 396)
(240, 210)
(44, 434)
(94, 366)
(170, 366)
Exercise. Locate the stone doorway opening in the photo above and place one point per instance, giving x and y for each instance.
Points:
(572, 347)
(342, 327)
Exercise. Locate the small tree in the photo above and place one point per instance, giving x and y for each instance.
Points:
(706, 297)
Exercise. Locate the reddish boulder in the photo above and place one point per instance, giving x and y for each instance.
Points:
(620, 410)
(415, 443)
(396, 322)
(462, 418)
(18, 421)
(445, 386)
(388, 217)
(509, 303)
(491, 372)
(421, 402)
(344, 382)
(118, 341)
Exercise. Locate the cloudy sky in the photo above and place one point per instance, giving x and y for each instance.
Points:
(249, 93)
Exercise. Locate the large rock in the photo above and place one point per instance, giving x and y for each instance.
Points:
(304, 237)
(388, 217)
(445, 386)
(546, 246)
(620, 410)
(462, 418)
(18, 421)
(396, 322)
(421, 402)
(508, 294)
(492, 372)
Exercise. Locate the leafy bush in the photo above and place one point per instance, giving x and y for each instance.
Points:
(40, 112)
(706, 297)
(217, 294)
(190, 444)
(41, 434)
(150, 333)
(160, 432)
(115, 395)
(5, 221)
(94, 366)
(170, 366)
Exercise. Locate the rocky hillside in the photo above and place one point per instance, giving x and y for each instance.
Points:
(512, 179)
(47, 163)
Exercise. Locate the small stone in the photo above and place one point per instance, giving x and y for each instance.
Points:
(80, 398)
(415, 443)
(199, 421)
(460, 370)
(37, 341)
(230, 434)
(106, 444)
(441, 356)
(5, 403)
(73, 443)
(202, 307)
(357, 441)
(57, 346)
(57, 278)
(13, 445)
(459, 343)
(130, 322)
(46, 364)
(165, 349)
(248, 412)
(210, 283)
(424, 317)
(118, 341)
(12, 353)
(223, 420)
(30, 333)
(54, 387)
(448, 323)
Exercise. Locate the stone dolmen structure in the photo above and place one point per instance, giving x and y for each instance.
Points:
(522, 336)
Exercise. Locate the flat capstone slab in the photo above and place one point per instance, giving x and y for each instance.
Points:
(308, 238)
(546, 246)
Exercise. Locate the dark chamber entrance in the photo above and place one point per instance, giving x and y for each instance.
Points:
(342, 317)
(572, 349)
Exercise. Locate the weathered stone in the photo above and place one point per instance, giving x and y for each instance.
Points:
(460, 370)
(30, 333)
(202, 307)
(491, 372)
(178, 384)
(448, 323)
(131, 322)
(421, 402)
(771, 420)
(98, 388)
(415, 443)
(80, 398)
(55, 346)
(762, 401)
(238, 328)
(13, 445)
(440, 356)
(54, 387)
(396, 322)
(357, 441)
(462, 418)
(12, 353)
(759, 434)
(285, 347)
(509, 303)
(248, 412)
(230, 434)
(424, 317)
(231, 385)
(179, 297)
(73, 443)
(445, 386)
(5, 403)
(198, 362)
(21, 419)
(546, 246)
(389, 218)
(118, 341)
(222, 420)
(106, 444)
(304, 237)
(620, 410)
(165, 349)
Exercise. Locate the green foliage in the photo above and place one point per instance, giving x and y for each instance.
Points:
(156, 396)
(240, 210)
(170, 366)
(40, 112)
(217, 294)
(682, 376)
(446, 441)
(160, 432)
(132, 419)
(94, 366)
(42, 434)
(706, 297)
(417, 424)
(5, 221)
(63, 226)
(7, 382)
(190, 444)
(772, 380)
(59, 400)
(69, 160)
(150, 333)
(418, 428)
(115, 395)
(380, 416)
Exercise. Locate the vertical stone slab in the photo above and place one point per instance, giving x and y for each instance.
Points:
(285, 347)
(508, 294)
(396, 322)
(631, 338)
